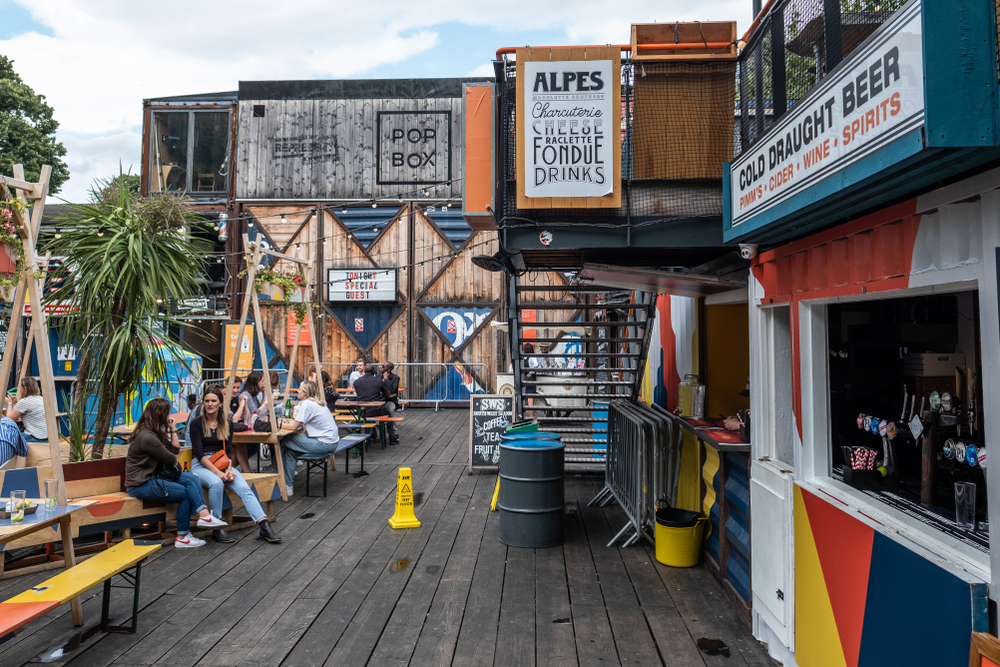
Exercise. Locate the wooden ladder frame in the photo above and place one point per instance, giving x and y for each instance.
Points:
(253, 254)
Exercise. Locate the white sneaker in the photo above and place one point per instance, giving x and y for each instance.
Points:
(188, 541)
(211, 522)
(291, 492)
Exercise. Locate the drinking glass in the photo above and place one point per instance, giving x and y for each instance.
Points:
(51, 493)
(17, 500)
(965, 504)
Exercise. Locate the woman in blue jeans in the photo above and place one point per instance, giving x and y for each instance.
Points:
(318, 434)
(154, 441)
(210, 434)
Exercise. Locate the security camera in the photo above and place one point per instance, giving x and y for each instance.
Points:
(748, 250)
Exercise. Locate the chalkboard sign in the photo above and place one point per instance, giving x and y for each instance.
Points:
(490, 415)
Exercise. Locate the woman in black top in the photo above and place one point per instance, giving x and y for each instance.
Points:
(210, 433)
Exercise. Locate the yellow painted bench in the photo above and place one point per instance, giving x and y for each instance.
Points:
(121, 559)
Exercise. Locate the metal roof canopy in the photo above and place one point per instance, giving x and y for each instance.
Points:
(653, 280)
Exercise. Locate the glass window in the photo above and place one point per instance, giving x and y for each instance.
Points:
(169, 151)
(189, 151)
(905, 408)
(209, 159)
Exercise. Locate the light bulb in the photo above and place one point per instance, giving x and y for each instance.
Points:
(375, 229)
(283, 221)
(58, 235)
(343, 211)
(374, 205)
(348, 236)
(159, 301)
(249, 224)
(741, 45)
(100, 232)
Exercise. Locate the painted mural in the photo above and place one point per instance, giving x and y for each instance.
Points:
(855, 592)
(457, 324)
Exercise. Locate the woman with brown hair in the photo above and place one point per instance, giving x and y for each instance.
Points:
(211, 449)
(154, 442)
(29, 410)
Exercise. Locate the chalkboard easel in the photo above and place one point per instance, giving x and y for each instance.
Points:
(489, 416)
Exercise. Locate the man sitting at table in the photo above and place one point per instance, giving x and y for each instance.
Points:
(370, 388)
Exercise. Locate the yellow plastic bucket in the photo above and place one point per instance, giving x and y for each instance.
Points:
(678, 536)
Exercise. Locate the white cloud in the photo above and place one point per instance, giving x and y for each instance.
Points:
(105, 56)
(486, 69)
(91, 158)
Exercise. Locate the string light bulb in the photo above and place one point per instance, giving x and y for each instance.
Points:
(374, 205)
(250, 225)
(375, 229)
(58, 234)
(100, 232)
(283, 220)
(343, 211)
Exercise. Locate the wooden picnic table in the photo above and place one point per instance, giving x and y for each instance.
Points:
(125, 430)
(360, 405)
(44, 518)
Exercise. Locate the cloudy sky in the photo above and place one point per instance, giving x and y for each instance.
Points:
(96, 60)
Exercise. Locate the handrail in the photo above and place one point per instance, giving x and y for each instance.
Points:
(628, 47)
(753, 26)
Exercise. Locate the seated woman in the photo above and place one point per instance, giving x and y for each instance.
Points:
(317, 432)
(29, 410)
(210, 433)
(154, 441)
(329, 390)
(252, 405)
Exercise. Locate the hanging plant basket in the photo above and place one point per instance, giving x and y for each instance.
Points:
(12, 258)
(290, 284)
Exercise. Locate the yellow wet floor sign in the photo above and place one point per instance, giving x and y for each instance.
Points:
(404, 517)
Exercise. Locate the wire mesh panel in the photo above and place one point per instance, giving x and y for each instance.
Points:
(793, 48)
(676, 130)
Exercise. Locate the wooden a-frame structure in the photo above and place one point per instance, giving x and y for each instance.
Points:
(253, 254)
(22, 190)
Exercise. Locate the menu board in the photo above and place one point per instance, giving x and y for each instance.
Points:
(489, 418)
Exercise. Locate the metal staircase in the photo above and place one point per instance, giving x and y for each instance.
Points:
(590, 344)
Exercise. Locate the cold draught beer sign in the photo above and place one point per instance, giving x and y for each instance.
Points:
(569, 127)
(853, 113)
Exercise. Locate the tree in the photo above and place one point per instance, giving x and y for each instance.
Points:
(127, 256)
(27, 130)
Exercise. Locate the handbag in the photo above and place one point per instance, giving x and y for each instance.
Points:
(220, 460)
(262, 426)
(168, 472)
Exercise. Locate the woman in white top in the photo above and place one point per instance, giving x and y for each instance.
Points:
(316, 431)
(29, 410)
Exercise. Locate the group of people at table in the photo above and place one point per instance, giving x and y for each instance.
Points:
(152, 471)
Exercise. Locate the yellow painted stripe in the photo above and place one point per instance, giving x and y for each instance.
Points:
(72, 582)
(817, 642)
(708, 474)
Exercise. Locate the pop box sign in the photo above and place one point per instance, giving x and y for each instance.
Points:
(570, 121)
(850, 115)
(353, 285)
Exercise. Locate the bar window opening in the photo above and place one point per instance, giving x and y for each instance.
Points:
(189, 152)
(906, 408)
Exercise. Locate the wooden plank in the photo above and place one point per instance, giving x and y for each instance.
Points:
(553, 613)
(478, 635)
(595, 644)
(436, 643)
(633, 639)
(516, 632)
(279, 640)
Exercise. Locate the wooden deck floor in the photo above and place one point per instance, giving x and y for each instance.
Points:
(345, 589)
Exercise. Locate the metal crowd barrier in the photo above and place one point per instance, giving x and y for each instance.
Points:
(640, 468)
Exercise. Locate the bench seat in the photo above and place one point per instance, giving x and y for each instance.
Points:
(21, 609)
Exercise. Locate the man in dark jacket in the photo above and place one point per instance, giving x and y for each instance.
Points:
(368, 387)
(391, 382)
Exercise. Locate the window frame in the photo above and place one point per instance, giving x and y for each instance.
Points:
(815, 471)
(149, 175)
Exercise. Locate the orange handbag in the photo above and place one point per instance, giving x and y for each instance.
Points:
(220, 460)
